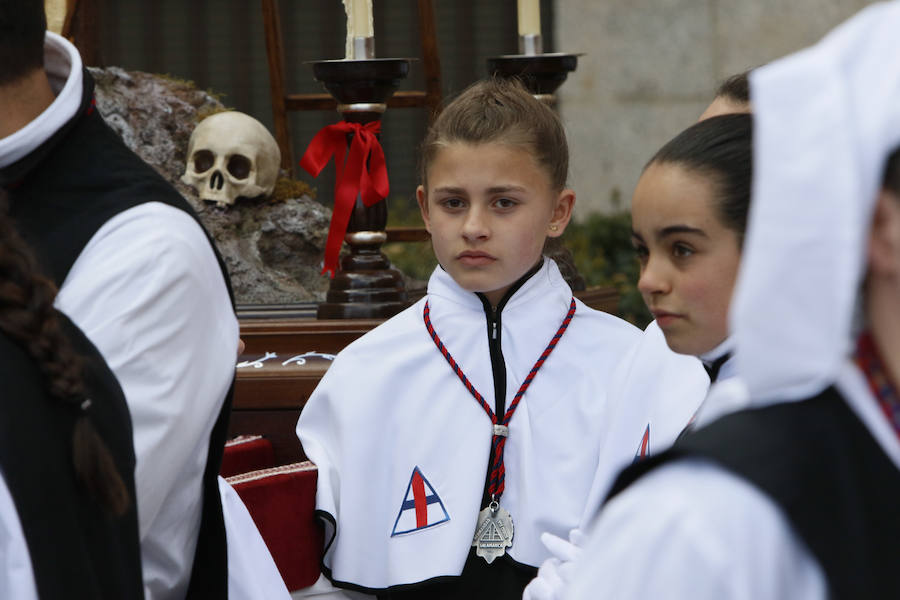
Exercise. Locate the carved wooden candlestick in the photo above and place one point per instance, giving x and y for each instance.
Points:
(366, 286)
(542, 74)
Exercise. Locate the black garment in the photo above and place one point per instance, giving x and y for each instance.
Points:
(78, 550)
(820, 464)
(713, 368)
(60, 195)
(503, 579)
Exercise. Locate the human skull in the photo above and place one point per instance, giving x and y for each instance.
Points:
(231, 155)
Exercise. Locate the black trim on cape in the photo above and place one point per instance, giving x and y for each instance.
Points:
(818, 462)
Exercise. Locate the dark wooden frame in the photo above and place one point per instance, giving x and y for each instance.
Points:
(82, 26)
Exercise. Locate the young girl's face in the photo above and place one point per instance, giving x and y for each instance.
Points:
(489, 207)
(689, 258)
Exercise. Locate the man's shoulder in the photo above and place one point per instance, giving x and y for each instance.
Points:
(149, 254)
(165, 228)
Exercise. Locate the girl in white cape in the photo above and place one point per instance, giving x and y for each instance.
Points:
(449, 438)
(795, 495)
(688, 214)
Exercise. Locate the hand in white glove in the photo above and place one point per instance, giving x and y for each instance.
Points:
(555, 574)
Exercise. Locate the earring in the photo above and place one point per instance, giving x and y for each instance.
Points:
(554, 227)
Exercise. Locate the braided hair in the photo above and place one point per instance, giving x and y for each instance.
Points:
(28, 318)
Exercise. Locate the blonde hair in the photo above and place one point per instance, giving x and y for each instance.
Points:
(501, 111)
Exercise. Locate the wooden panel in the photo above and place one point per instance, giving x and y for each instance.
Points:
(407, 234)
(278, 426)
(600, 298)
(275, 393)
(300, 335)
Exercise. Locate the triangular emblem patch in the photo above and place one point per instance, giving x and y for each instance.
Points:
(644, 447)
(421, 508)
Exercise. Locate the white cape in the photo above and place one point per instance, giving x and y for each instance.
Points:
(390, 416)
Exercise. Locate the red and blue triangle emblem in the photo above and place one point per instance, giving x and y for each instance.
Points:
(644, 447)
(421, 508)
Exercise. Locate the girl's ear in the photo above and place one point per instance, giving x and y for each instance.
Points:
(423, 206)
(884, 236)
(562, 213)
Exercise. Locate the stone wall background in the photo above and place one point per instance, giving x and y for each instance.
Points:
(650, 68)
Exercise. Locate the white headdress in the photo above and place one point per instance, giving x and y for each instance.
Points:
(826, 118)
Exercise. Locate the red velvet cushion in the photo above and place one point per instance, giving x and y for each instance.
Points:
(246, 453)
(282, 502)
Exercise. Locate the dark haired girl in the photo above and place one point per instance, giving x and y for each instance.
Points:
(68, 524)
(688, 213)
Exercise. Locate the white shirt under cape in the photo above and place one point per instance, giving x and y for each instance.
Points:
(147, 290)
(710, 522)
(390, 403)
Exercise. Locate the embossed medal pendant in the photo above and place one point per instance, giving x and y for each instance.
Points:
(494, 533)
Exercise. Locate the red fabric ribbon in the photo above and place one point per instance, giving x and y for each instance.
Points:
(364, 174)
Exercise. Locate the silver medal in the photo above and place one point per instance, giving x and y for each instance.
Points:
(494, 533)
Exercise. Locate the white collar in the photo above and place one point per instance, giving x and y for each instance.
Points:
(718, 352)
(442, 285)
(64, 70)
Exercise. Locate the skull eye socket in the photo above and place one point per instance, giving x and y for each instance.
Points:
(203, 160)
(239, 166)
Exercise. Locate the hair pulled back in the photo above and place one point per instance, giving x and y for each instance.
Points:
(721, 149)
(501, 111)
(28, 318)
(22, 28)
(736, 88)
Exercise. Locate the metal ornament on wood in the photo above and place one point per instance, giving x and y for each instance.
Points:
(494, 532)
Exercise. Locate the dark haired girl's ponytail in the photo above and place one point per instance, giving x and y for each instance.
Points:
(27, 316)
(95, 466)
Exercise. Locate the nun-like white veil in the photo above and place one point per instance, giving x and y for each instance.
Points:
(826, 119)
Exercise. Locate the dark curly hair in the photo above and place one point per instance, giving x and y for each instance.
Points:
(28, 318)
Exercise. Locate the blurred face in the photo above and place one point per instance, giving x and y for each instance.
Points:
(489, 207)
(882, 285)
(689, 259)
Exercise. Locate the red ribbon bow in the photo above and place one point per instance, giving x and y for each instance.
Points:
(364, 174)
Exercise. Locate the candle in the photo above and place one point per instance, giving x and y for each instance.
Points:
(359, 23)
(529, 17)
(56, 14)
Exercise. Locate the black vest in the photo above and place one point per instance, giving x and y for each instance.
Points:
(77, 549)
(820, 464)
(60, 195)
